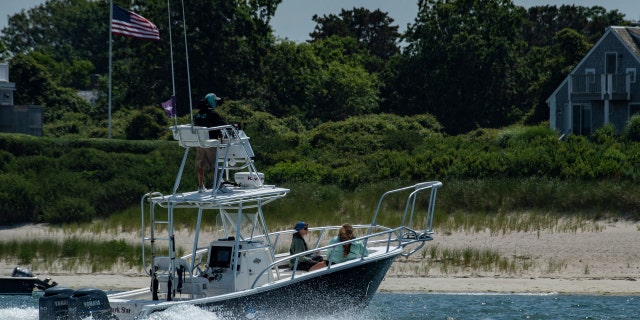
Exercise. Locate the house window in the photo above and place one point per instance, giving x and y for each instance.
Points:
(582, 119)
(632, 72)
(611, 62)
(590, 77)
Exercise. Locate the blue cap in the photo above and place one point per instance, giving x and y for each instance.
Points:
(211, 98)
(300, 225)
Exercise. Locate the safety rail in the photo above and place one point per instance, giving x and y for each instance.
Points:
(233, 151)
(294, 272)
(404, 235)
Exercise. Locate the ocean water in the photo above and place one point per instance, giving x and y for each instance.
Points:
(407, 306)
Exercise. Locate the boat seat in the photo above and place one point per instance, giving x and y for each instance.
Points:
(193, 136)
(163, 263)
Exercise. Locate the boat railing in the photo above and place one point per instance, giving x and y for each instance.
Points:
(405, 236)
(385, 237)
(233, 151)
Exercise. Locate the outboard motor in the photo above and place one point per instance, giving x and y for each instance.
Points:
(54, 304)
(90, 302)
(22, 272)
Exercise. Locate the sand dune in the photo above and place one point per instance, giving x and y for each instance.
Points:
(604, 260)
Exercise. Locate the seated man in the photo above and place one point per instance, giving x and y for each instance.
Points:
(348, 251)
(298, 244)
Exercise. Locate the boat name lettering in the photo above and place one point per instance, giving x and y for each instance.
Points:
(120, 310)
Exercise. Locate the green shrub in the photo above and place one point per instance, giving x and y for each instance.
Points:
(69, 210)
(303, 171)
(17, 199)
(5, 159)
(604, 134)
(632, 130)
(149, 124)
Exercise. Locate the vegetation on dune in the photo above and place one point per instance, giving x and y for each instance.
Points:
(517, 169)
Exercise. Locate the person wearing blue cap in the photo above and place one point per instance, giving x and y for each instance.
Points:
(207, 117)
(298, 244)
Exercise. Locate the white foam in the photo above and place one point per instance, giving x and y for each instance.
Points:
(19, 313)
(184, 311)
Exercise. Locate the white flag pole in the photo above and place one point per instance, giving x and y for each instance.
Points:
(110, 50)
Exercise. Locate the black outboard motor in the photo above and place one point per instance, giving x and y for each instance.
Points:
(54, 304)
(90, 302)
(22, 272)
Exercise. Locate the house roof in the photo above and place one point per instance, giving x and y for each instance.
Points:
(628, 36)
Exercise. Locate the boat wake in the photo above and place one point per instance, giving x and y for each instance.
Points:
(19, 313)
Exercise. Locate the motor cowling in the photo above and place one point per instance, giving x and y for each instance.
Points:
(22, 272)
(90, 302)
(54, 304)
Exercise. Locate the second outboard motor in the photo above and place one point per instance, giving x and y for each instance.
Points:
(22, 272)
(54, 304)
(90, 302)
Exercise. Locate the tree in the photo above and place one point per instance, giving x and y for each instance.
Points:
(325, 80)
(35, 85)
(227, 41)
(462, 63)
(373, 30)
(290, 73)
(543, 22)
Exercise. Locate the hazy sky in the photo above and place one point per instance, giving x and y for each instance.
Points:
(293, 17)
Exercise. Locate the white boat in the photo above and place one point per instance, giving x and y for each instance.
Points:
(243, 273)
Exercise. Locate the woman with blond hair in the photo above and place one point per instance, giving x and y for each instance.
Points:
(347, 251)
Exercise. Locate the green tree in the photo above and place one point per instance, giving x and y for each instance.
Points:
(548, 67)
(290, 73)
(38, 86)
(323, 81)
(543, 22)
(462, 64)
(227, 41)
(373, 30)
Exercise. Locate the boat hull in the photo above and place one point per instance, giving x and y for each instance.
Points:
(338, 290)
(17, 285)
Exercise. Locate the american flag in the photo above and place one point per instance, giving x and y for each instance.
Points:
(129, 24)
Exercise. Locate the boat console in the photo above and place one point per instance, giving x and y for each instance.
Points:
(248, 260)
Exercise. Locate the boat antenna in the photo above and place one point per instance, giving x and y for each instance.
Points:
(173, 77)
(186, 52)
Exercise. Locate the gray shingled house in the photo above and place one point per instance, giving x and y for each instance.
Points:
(603, 88)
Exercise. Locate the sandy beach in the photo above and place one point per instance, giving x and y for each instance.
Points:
(602, 261)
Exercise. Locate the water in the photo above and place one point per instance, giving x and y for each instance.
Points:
(423, 306)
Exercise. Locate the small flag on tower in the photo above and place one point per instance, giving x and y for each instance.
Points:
(169, 107)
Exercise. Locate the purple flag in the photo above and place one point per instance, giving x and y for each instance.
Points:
(169, 107)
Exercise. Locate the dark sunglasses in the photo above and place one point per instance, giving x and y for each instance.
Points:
(305, 228)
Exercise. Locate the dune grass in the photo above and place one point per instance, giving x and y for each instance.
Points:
(74, 254)
(329, 205)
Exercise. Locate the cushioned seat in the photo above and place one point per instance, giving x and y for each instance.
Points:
(193, 136)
